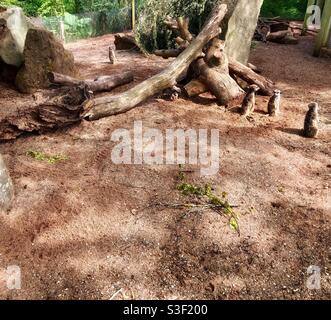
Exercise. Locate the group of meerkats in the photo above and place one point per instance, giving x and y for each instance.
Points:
(311, 123)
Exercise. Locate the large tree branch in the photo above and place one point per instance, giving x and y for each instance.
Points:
(103, 83)
(107, 106)
(251, 77)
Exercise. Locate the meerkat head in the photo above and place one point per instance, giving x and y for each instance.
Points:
(277, 92)
(313, 106)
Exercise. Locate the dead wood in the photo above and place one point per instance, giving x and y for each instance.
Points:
(247, 74)
(125, 41)
(71, 104)
(168, 53)
(254, 68)
(111, 105)
(195, 88)
(58, 108)
(220, 84)
(103, 83)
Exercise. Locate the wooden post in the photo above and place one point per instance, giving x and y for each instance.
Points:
(324, 34)
(133, 14)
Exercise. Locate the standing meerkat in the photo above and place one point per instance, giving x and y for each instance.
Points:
(248, 104)
(311, 121)
(274, 104)
(112, 55)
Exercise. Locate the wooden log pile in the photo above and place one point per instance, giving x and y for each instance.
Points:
(212, 71)
(200, 61)
(275, 30)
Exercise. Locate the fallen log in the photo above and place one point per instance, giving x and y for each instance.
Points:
(195, 88)
(213, 71)
(221, 85)
(254, 68)
(283, 37)
(125, 41)
(104, 83)
(247, 74)
(278, 35)
(69, 105)
(58, 108)
(168, 53)
(107, 106)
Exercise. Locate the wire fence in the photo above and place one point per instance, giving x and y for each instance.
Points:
(70, 27)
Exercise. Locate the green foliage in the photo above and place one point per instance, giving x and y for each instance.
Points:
(292, 9)
(10, 2)
(101, 5)
(211, 198)
(151, 31)
(41, 156)
(115, 15)
(77, 27)
(43, 7)
(52, 8)
(153, 34)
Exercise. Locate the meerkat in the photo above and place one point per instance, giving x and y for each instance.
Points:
(274, 104)
(112, 55)
(248, 104)
(311, 121)
(172, 93)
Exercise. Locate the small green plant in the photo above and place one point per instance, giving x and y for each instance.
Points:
(254, 44)
(41, 156)
(213, 200)
(181, 174)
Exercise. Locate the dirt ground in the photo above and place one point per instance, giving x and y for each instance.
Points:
(85, 228)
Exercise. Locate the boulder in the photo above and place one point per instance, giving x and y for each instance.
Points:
(6, 187)
(13, 29)
(43, 53)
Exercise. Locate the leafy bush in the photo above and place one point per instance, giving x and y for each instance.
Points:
(292, 9)
(151, 31)
(77, 28)
(43, 7)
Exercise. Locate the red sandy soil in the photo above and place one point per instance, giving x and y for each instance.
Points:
(84, 228)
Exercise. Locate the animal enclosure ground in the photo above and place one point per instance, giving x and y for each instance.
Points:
(83, 227)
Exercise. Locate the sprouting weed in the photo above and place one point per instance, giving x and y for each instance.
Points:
(41, 156)
(212, 199)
